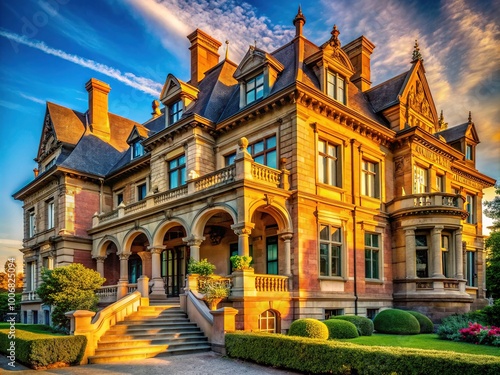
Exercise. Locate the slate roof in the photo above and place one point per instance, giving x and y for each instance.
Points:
(386, 94)
(454, 133)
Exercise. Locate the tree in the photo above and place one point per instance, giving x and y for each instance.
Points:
(492, 208)
(493, 264)
(69, 288)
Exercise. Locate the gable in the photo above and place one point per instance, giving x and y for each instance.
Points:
(255, 59)
(175, 88)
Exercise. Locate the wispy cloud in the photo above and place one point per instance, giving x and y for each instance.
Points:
(140, 83)
(32, 98)
(235, 21)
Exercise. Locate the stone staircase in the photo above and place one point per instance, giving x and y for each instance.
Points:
(155, 330)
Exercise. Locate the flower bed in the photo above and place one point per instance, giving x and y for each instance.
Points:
(478, 334)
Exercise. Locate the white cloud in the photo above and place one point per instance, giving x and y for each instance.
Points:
(143, 84)
(32, 98)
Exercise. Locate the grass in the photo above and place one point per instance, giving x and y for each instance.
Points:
(428, 341)
(34, 328)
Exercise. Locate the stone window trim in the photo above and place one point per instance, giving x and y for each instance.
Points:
(375, 273)
(336, 86)
(329, 162)
(332, 250)
(141, 189)
(118, 197)
(50, 213)
(176, 169)
(371, 177)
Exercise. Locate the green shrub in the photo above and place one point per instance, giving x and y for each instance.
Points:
(201, 267)
(40, 350)
(341, 329)
(311, 328)
(426, 325)
(313, 356)
(450, 326)
(364, 325)
(396, 322)
(492, 314)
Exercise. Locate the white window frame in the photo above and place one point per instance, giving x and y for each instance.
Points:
(336, 86)
(370, 179)
(420, 179)
(331, 243)
(329, 166)
(50, 214)
(255, 85)
(266, 317)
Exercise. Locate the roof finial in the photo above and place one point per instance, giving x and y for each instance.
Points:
(470, 117)
(299, 21)
(416, 53)
(227, 48)
(441, 124)
(334, 40)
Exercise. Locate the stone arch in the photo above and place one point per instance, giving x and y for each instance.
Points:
(100, 249)
(205, 214)
(164, 226)
(130, 236)
(276, 210)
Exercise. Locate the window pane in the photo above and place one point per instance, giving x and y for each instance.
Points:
(174, 178)
(259, 92)
(421, 240)
(324, 233)
(324, 268)
(258, 147)
(259, 159)
(336, 235)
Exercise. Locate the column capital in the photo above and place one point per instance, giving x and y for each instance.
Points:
(243, 228)
(156, 249)
(145, 255)
(124, 256)
(410, 231)
(437, 229)
(193, 240)
(286, 236)
(100, 259)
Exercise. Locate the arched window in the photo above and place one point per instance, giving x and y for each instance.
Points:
(268, 321)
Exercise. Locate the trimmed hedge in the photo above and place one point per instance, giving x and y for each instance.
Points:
(364, 325)
(341, 329)
(313, 356)
(426, 325)
(39, 350)
(396, 322)
(308, 327)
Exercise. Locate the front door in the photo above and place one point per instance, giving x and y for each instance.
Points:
(172, 270)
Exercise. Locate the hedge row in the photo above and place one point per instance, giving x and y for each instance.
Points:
(39, 350)
(315, 356)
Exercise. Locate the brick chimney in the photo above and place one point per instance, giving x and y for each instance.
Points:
(204, 54)
(359, 52)
(98, 108)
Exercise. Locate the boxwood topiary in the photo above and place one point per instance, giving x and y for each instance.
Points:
(426, 325)
(364, 325)
(397, 322)
(312, 328)
(341, 329)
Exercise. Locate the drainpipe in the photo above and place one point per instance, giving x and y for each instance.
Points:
(353, 191)
(101, 195)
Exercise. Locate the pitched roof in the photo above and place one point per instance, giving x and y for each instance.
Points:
(386, 94)
(69, 125)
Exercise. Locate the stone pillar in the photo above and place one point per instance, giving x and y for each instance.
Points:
(122, 289)
(100, 265)
(146, 263)
(194, 244)
(411, 252)
(459, 255)
(287, 238)
(158, 287)
(243, 231)
(437, 258)
(224, 321)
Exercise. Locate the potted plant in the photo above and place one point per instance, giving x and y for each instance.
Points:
(241, 262)
(200, 267)
(215, 291)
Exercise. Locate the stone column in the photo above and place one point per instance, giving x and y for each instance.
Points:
(411, 252)
(287, 238)
(122, 289)
(194, 244)
(437, 258)
(243, 231)
(459, 255)
(158, 287)
(100, 265)
(146, 262)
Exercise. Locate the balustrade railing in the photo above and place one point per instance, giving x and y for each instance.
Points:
(108, 216)
(107, 291)
(131, 288)
(170, 195)
(266, 174)
(219, 177)
(271, 283)
(135, 207)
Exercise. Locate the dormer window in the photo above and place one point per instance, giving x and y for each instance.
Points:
(175, 112)
(50, 164)
(255, 88)
(137, 149)
(469, 152)
(335, 87)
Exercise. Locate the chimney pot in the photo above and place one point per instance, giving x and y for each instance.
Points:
(204, 54)
(98, 108)
(359, 52)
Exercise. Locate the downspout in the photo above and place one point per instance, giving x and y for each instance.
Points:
(353, 190)
(101, 195)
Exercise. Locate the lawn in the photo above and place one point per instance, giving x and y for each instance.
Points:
(34, 328)
(424, 341)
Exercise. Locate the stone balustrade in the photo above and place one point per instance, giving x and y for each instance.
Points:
(271, 283)
(265, 174)
(217, 178)
(428, 201)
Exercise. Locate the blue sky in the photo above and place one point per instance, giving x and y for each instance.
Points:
(50, 48)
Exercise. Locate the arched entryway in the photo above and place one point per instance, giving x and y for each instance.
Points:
(174, 260)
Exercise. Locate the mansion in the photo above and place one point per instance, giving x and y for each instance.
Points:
(350, 198)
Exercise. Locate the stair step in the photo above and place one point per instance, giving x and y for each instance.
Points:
(133, 343)
(149, 348)
(161, 318)
(151, 331)
(146, 336)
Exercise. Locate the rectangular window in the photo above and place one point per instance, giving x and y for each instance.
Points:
(330, 251)
(229, 159)
(372, 255)
(370, 179)
(177, 172)
(471, 209)
(31, 282)
(440, 183)
(255, 88)
(272, 255)
(422, 255)
(119, 199)
(468, 152)
(50, 164)
(264, 151)
(445, 247)
(419, 180)
(141, 192)
(329, 165)
(50, 214)
(371, 313)
(335, 87)
(31, 223)
(470, 269)
(137, 149)
(174, 112)
(333, 312)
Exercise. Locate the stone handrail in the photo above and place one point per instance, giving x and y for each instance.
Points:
(271, 283)
(266, 174)
(170, 194)
(199, 313)
(107, 291)
(108, 216)
(132, 288)
(93, 326)
(219, 177)
(135, 207)
(426, 200)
